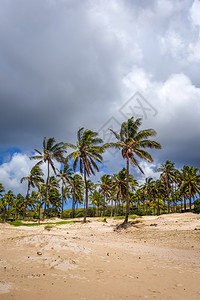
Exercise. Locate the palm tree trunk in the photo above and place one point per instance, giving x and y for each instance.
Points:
(190, 199)
(115, 212)
(127, 190)
(158, 208)
(47, 187)
(184, 198)
(86, 197)
(111, 214)
(168, 200)
(26, 201)
(104, 205)
(62, 202)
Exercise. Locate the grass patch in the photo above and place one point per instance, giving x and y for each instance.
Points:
(20, 223)
(48, 226)
(67, 222)
(102, 220)
(16, 223)
(123, 217)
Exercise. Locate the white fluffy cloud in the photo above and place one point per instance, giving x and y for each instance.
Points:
(17, 167)
(195, 12)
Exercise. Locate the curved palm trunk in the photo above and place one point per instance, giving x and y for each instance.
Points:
(26, 201)
(86, 197)
(46, 196)
(127, 191)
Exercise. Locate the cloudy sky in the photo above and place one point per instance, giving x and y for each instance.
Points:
(66, 64)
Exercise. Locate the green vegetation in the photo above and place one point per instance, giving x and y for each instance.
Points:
(20, 223)
(114, 195)
(197, 206)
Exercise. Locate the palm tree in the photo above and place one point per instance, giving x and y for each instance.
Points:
(51, 151)
(158, 190)
(105, 189)
(33, 179)
(168, 177)
(65, 176)
(87, 153)
(148, 185)
(19, 205)
(191, 182)
(132, 143)
(120, 187)
(76, 189)
(96, 200)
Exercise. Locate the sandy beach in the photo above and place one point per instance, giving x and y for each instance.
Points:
(154, 258)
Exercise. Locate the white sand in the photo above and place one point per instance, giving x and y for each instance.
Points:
(92, 261)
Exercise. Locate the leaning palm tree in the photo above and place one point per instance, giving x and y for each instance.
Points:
(132, 143)
(87, 153)
(33, 179)
(51, 151)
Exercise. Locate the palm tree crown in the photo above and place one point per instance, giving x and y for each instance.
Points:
(51, 151)
(87, 153)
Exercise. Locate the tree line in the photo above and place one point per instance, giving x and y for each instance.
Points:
(117, 193)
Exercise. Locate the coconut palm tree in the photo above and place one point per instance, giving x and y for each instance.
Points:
(190, 182)
(132, 143)
(87, 153)
(168, 176)
(33, 179)
(158, 191)
(51, 151)
(76, 190)
(65, 175)
(105, 189)
(120, 187)
(148, 185)
(7, 202)
(96, 199)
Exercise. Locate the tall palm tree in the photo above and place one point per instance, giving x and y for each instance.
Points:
(33, 179)
(87, 153)
(168, 176)
(96, 200)
(65, 175)
(148, 186)
(132, 143)
(191, 182)
(105, 189)
(7, 203)
(76, 190)
(120, 186)
(158, 190)
(51, 151)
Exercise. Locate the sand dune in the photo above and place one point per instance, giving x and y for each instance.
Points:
(158, 258)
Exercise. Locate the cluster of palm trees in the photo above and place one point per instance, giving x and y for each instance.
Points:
(112, 190)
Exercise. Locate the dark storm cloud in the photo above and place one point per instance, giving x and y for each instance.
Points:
(57, 70)
(66, 64)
